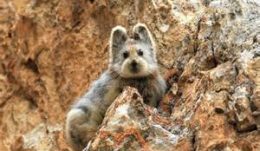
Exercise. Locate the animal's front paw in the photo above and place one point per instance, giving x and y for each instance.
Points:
(79, 128)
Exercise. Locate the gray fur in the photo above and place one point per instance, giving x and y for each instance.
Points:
(88, 112)
(117, 40)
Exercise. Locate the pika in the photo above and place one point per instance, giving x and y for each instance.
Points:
(133, 63)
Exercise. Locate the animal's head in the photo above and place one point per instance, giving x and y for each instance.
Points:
(132, 57)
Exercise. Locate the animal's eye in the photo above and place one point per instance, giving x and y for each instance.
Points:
(125, 54)
(140, 52)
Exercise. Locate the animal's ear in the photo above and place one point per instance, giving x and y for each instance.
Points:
(117, 40)
(141, 32)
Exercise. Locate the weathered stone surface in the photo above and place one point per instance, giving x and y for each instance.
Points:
(51, 50)
(131, 125)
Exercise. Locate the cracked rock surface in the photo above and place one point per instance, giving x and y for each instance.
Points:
(51, 50)
(130, 124)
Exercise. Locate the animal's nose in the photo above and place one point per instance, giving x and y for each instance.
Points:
(134, 64)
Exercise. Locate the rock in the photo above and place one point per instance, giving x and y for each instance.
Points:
(51, 51)
(130, 124)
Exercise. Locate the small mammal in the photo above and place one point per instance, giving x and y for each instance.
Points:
(132, 63)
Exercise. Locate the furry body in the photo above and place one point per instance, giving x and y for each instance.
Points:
(132, 63)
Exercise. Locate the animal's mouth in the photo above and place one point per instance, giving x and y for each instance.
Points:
(134, 69)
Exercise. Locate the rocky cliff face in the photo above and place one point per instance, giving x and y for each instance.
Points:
(51, 50)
